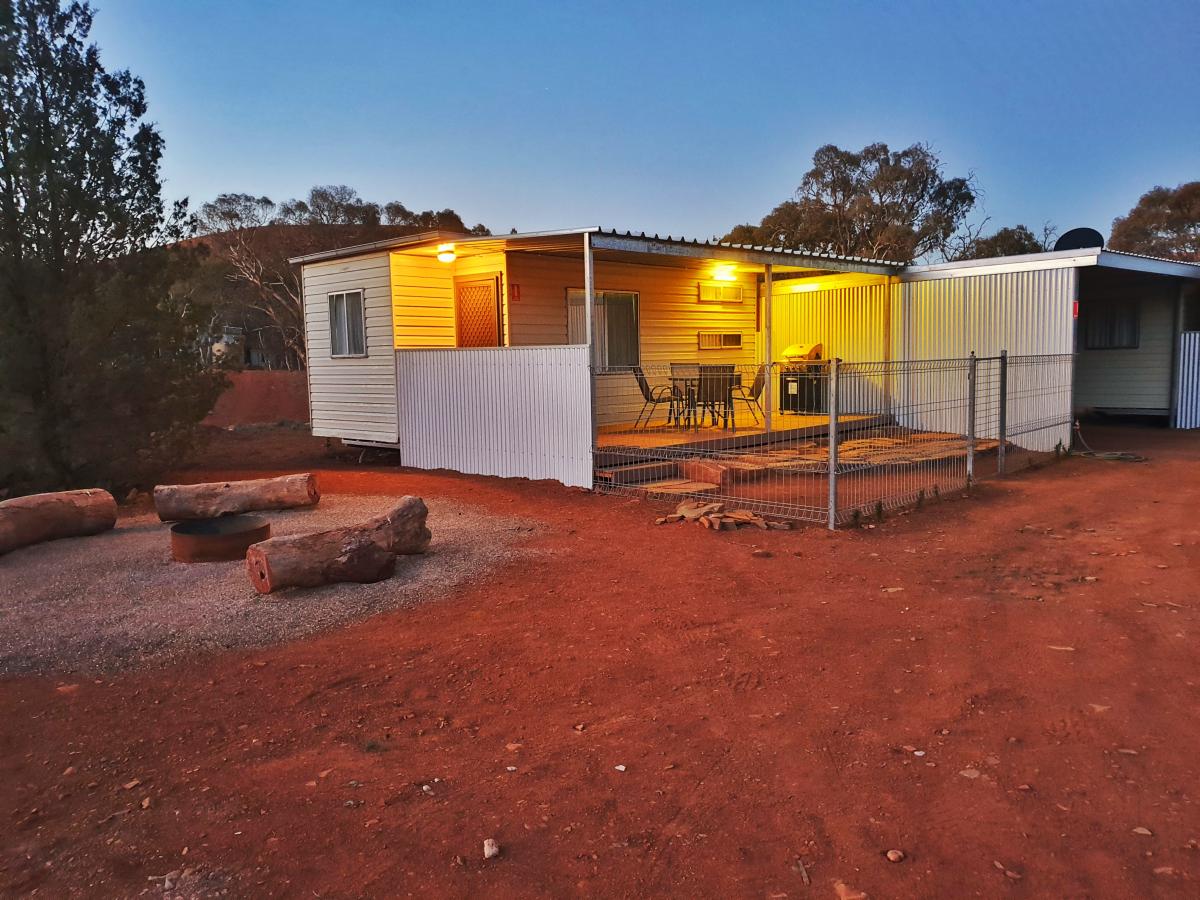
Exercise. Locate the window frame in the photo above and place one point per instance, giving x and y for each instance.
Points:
(723, 344)
(342, 320)
(721, 287)
(1112, 307)
(601, 311)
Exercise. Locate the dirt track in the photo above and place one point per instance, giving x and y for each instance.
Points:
(1003, 688)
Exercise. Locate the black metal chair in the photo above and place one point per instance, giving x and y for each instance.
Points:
(752, 395)
(715, 393)
(654, 396)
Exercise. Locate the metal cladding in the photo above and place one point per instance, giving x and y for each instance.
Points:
(520, 412)
(1187, 389)
(757, 248)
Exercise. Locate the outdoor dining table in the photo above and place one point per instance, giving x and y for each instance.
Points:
(686, 385)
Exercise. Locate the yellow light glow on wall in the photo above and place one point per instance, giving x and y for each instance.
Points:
(725, 273)
(804, 288)
(446, 253)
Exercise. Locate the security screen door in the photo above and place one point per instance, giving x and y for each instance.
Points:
(477, 304)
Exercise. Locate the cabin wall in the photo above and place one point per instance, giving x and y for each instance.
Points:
(422, 301)
(423, 295)
(669, 318)
(1135, 379)
(353, 398)
(669, 313)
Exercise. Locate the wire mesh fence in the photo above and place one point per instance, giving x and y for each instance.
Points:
(825, 441)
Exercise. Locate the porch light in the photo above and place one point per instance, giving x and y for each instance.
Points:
(725, 273)
(446, 253)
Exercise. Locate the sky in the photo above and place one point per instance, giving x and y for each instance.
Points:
(679, 118)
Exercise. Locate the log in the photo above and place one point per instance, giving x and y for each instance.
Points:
(362, 553)
(47, 517)
(178, 502)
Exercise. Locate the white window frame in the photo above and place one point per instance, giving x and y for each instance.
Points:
(576, 324)
(720, 292)
(719, 340)
(340, 321)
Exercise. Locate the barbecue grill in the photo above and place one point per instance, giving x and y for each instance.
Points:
(803, 388)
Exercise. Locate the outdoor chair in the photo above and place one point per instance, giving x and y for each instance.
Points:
(715, 393)
(752, 396)
(654, 396)
(683, 384)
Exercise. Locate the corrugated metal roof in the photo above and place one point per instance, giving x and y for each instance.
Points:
(524, 238)
(1164, 259)
(758, 248)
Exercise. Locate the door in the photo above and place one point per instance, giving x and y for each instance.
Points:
(477, 311)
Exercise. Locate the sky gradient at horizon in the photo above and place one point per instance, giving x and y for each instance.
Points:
(682, 118)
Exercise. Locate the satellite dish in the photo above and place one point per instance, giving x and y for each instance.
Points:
(1080, 239)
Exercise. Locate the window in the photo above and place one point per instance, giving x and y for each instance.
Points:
(718, 340)
(346, 327)
(1110, 324)
(719, 292)
(616, 324)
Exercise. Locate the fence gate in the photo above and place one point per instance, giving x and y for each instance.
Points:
(1187, 386)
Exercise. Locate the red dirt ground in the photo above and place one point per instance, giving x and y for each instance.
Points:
(257, 396)
(1035, 643)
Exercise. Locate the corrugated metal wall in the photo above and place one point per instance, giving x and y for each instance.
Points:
(1187, 389)
(515, 412)
(1026, 313)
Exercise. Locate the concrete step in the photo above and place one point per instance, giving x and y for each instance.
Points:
(636, 473)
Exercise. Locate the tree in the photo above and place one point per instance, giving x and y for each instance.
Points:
(877, 202)
(1009, 241)
(255, 237)
(99, 379)
(1165, 222)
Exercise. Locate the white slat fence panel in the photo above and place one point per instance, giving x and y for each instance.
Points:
(514, 412)
(1187, 391)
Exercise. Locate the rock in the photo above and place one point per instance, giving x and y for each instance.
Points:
(762, 554)
(490, 849)
(969, 773)
(1143, 830)
(619, 768)
(895, 856)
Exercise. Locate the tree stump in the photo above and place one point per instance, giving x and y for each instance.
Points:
(361, 553)
(47, 517)
(179, 502)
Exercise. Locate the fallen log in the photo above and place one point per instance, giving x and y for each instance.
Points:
(178, 502)
(47, 517)
(362, 553)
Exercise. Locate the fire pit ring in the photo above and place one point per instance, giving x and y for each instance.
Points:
(214, 540)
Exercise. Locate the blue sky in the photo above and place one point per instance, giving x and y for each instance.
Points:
(682, 118)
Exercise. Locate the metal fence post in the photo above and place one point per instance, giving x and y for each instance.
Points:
(1003, 412)
(833, 442)
(971, 389)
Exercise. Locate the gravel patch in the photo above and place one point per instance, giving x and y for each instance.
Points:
(117, 600)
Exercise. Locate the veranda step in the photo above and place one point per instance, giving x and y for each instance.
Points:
(635, 473)
(679, 486)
